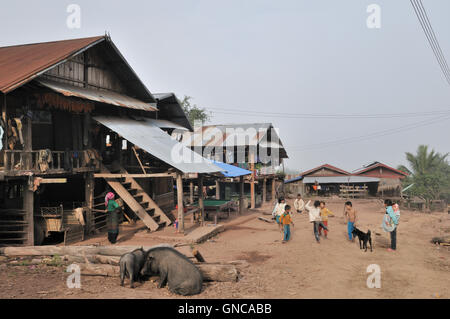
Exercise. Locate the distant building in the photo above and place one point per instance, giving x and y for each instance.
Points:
(390, 183)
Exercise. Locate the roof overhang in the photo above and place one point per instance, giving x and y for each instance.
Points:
(101, 96)
(158, 143)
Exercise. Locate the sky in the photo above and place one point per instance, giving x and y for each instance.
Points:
(257, 61)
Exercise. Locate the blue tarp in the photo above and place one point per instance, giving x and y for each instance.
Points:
(295, 179)
(231, 170)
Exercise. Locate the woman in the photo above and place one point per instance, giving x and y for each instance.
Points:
(390, 223)
(113, 217)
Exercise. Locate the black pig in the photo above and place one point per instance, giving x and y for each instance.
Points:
(131, 265)
(175, 269)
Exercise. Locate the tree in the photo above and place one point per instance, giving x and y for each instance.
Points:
(193, 112)
(429, 171)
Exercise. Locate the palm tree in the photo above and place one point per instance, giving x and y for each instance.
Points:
(423, 162)
(428, 170)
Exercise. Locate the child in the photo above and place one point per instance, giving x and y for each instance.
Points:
(286, 221)
(279, 211)
(350, 213)
(324, 213)
(299, 204)
(314, 217)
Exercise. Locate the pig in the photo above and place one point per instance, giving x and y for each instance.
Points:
(175, 269)
(131, 265)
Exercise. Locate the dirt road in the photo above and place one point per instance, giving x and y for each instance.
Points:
(301, 268)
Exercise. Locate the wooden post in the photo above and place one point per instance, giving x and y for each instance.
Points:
(191, 192)
(252, 181)
(264, 194)
(89, 183)
(28, 206)
(28, 138)
(200, 198)
(274, 196)
(180, 203)
(5, 133)
(217, 189)
(241, 194)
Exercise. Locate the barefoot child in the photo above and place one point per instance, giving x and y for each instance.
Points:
(324, 213)
(286, 221)
(314, 217)
(350, 214)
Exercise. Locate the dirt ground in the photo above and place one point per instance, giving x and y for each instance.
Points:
(301, 268)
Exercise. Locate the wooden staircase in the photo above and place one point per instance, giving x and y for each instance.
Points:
(13, 227)
(138, 200)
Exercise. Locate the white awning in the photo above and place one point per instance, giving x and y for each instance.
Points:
(158, 143)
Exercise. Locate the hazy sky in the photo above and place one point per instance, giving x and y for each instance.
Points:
(276, 59)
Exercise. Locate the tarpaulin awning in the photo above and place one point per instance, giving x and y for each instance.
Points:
(339, 179)
(158, 143)
(101, 96)
(231, 170)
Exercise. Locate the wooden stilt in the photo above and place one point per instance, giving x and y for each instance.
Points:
(241, 194)
(180, 203)
(217, 189)
(264, 194)
(200, 198)
(191, 192)
(89, 183)
(252, 181)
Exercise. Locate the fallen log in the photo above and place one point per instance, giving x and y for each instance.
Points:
(72, 250)
(210, 272)
(266, 220)
(95, 259)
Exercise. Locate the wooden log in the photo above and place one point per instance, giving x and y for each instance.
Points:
(72, 250)
(95, 259)
(219, 272)
(265, 220)
(210, 272)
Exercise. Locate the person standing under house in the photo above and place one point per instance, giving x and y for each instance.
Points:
(299, 204)
(286, 221)
(390, 222)
(324, 213)
(314, 217)
(350, 214)
(279, 210)
(112, 218)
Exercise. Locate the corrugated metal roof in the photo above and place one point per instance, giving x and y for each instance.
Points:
(339, 179)
(170, 108)
(102, 96)
(328, 166)
(159, 144)
(166, 124)
(21, 63)
(233, 135)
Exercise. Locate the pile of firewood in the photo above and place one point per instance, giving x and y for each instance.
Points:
(104, 260)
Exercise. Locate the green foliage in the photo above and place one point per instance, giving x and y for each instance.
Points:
(193, 112)
(429, 172)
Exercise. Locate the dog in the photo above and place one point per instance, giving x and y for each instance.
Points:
(363, 237)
